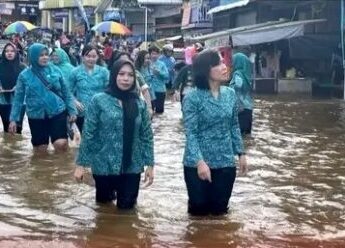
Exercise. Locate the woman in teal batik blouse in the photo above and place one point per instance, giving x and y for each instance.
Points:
(48, 101)
(87, 80)
(61, 59)
(241, 82)
(117, 141)
(213, 137)
(156, 75)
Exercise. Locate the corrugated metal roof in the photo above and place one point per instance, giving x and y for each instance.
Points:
(153, 2)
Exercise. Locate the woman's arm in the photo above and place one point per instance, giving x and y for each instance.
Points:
(18, 99)
(190, 118)
(146, 138)
(90, 133)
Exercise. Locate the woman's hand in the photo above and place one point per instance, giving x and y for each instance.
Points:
(204, 171)
(79, 173)
(176, 96)
(149, 175)
(243, 165)
(72, 118)
(12, 128)
(79, 105)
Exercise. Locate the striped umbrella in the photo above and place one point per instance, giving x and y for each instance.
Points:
(112, 27)
(19, 27)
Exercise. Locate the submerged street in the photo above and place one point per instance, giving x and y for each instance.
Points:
(293, 195)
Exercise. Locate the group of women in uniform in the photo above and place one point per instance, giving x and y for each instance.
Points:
(115, 121)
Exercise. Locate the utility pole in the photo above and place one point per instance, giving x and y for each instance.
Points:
(342, 40)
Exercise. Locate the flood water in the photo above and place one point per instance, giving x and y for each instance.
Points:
(293, 195)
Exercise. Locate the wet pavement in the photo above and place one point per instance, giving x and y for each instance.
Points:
(293, 195)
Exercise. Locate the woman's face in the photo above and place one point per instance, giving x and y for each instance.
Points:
(154, 55)
(55, 59)
(219, 73)
(43, 60)
(147, 59)
(125, 78)
(10, 53)
(90, 59)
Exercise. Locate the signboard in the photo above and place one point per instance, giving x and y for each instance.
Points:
(58, 25)
(5, 11)
(59, 14)
(113, 15)
(6, 8)
(223, 41)
(47, 36)
(30, 9)
(186, 14)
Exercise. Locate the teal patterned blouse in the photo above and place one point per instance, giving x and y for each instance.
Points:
(102, 138)
(84, 85)
(41, 102)
(212, 128)
(156, 82)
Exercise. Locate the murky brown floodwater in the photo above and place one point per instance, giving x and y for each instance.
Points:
(293, 195)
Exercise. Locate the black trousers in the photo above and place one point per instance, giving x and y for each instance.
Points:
(158, 103)
(5, 112)
(245, 119)
(124, 188)
(53, 128)
(209, 198)
(80, 124)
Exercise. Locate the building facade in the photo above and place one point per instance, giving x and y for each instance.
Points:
(196, 20)
(287, 40)
(65, 16)
(20, 10)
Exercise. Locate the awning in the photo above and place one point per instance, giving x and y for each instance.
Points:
(235, 4)
(233, 30)
(261, 33)
(153, 2)
(271, 33)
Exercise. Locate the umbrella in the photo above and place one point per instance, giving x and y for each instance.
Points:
(112, 27)
(18, 27)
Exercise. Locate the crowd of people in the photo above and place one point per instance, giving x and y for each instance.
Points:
(112, 95)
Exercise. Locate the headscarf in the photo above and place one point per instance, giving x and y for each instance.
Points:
(9, 71)
(242, 67)
(65, 63)
(130, 109)
(35, 51)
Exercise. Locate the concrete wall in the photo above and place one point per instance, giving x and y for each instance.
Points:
(295, 85)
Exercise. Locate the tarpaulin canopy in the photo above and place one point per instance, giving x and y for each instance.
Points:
(271, 33)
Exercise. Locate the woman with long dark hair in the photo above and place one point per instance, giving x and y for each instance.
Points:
(213, 137)
(10, 68)
(117, 141)
(141, 63)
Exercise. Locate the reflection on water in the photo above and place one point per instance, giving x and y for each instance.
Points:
(293, 195)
